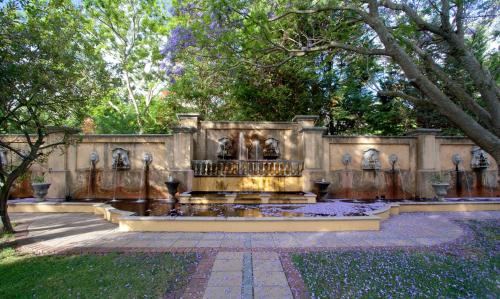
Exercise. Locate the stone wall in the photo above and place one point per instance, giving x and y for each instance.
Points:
(420, 156)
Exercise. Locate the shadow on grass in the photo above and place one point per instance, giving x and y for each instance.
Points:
(93, 276)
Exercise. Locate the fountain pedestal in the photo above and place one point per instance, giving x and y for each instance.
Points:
(322, 189)
(172, 186)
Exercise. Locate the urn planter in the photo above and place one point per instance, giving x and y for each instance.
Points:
(40, 190)
(441, 189)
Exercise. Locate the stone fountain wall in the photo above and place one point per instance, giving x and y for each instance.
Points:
(420, 156)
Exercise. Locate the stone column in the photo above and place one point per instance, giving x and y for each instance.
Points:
(427, 160)
(58, 174)
(184, 136)
(310, 138)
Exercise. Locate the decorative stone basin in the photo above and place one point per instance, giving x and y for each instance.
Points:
(40, 190)
(441, 189)
(322, 189)
(172, 186)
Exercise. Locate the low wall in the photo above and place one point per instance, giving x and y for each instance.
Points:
(237, 224)
(128, 222)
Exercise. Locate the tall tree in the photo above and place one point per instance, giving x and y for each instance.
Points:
(421, 38)
(129, 35)
(218, 66)
(48, 71)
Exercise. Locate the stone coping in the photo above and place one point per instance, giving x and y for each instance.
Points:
(409, 138)
(304, 117)
(254, 219)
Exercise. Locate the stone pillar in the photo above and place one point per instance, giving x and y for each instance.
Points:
(184, 136)
(58, 174)
(427, 160)
(310, 138)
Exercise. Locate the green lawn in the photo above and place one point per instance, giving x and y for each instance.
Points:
(92, 276)
(468, 269)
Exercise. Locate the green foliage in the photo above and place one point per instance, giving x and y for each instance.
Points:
(38, 179)
(129, 35)
(48, 70)
(229, 72)
(92, 276)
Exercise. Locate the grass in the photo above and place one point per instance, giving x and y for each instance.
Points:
(92, 276)
(5, 236)
(468, 269)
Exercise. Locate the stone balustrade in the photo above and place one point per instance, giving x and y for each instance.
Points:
(247, 167)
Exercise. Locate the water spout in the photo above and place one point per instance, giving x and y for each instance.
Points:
(144, 184)
(3, 159)
(241, 147)
(93, 159)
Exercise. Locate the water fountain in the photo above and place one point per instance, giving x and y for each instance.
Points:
(3, 159)
(147, 158)
(271, 149)
(479, 163)
(393, 159)
(93, 159)
(256, 175)
(120, 161)
(225, 148)
(371, 163)
(347, 176)
(460, 175)
(371, 159)
(256, 152)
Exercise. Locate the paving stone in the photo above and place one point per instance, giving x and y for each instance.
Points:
(267, 265)
(222, 293)
(87, 230)
(209, 243)
(232, 243)
(230, 255)
(265, 278)
(185, 243)
(227, 265)
(263, 243)
(225, 279)
(272, 293)
(213, 236)
(265, 256)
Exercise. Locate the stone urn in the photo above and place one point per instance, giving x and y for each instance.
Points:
(322, 189)
(441, 189)
(172, 186)
(40, 190)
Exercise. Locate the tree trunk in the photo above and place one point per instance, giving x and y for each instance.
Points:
(486, 139)
(4, 195)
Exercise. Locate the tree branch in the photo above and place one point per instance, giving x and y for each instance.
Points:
(315, 11)
(337, 45)
(399, 94)
(412, 14)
